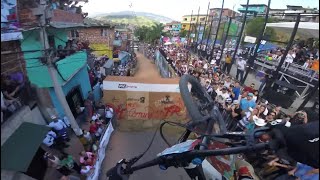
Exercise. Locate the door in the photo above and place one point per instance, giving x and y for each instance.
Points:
(38, 166)
(74, 98)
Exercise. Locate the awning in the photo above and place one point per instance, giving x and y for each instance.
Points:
(18, 151)
(305, 29)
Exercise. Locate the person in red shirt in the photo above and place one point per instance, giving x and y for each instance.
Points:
(93, 127)
(249, 89)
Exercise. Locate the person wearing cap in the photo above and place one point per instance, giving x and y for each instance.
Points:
(59, 126)
(247, 103)
(222, 95)
(51, 140)
(241, 64)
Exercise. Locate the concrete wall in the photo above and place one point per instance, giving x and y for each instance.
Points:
(82, 79)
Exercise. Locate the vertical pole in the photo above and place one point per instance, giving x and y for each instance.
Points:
(253, 55)
(53, 74)
(240, 33)
(226, 37)
(197, 26)
(289, 45)
(189, 39)
(189, 31)
(209, 34)
(217, 31)
(198, 32)
(205, 23)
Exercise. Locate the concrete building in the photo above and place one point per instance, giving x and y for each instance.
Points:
(254, 9)
(287, 14)
(185, 23)
(215, 12)
(173, 27)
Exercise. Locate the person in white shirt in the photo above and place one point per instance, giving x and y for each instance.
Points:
(241, 65)
(222, 95)
(108, 113)
(52, 141)
(85, 170)
(60, 127)
(208, 87)
(289, 58)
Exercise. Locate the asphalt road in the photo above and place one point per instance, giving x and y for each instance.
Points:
(130, 144)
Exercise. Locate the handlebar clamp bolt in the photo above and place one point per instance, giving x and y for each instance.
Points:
(196, 161)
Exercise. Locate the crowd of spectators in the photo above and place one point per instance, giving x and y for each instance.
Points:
(242, 106)
(72, 46)
(98, 115)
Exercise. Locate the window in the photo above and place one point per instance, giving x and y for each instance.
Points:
(193, 19)
(103, 32)
(202, 19)
(74, 33)
(184, 26)
(185, 19)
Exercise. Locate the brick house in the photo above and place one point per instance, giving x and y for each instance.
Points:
(100, 37)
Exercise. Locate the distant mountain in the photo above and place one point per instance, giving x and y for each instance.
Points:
(129, 17)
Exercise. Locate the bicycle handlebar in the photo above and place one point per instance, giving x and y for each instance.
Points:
(175, 159)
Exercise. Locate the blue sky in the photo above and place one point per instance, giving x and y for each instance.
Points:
(175, 9)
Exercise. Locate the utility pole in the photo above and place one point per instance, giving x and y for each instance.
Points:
(240, 33)
(52, 71)
(217, 31)
(189, 31)
(205, 23)
(253, 55)
(209, 34)
(196, 29)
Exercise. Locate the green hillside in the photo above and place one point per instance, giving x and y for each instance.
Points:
(134, 20)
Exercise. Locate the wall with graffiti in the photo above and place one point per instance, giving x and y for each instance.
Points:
(130, 105)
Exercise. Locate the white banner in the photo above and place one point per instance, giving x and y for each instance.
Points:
(127, 86)
(101, 152)
(250, 39)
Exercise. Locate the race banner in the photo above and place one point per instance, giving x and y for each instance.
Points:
(128, 86)
(104, 140)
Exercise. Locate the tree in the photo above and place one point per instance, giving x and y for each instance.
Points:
(255, 27)
(183, 33)
(149, 34)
